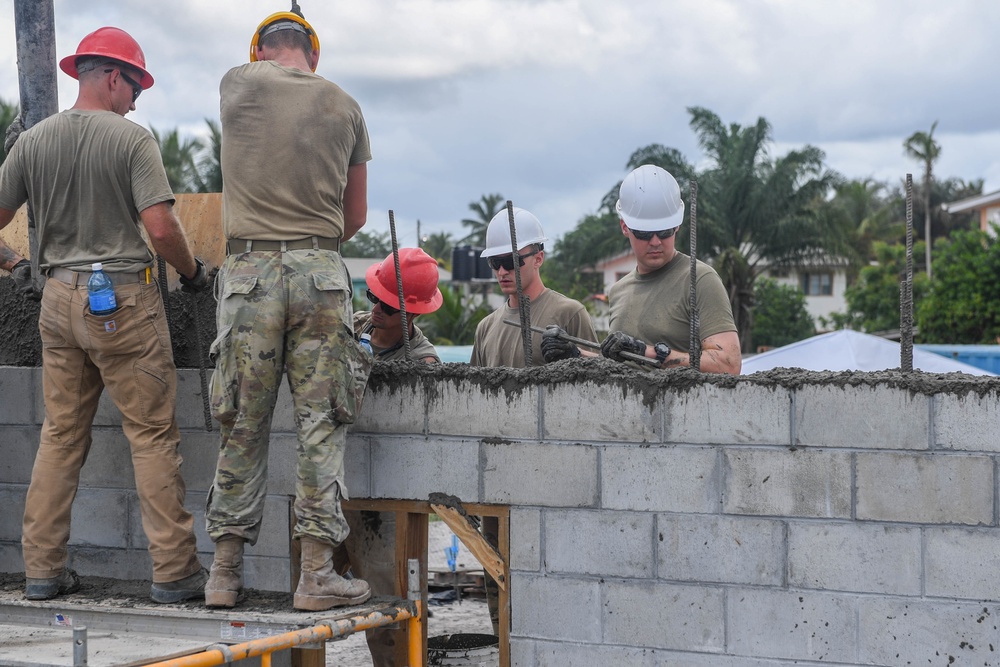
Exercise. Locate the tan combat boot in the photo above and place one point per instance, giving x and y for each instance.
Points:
(225, 584)
(320, 587)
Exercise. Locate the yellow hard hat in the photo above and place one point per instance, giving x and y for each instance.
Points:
(278, 17)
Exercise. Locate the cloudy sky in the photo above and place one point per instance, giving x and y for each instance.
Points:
(543, 101)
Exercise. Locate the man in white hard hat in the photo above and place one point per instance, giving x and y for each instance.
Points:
(499, 344)
(650, 307)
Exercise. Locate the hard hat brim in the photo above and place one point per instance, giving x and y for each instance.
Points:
(650, 225)
(392, 298)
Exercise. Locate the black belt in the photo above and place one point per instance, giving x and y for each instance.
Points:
(75, 278)
(239, 246)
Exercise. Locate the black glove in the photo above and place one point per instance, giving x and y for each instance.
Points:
(555, 346)
(14, 130)
(199, 282)
(23, 282)
(618, 342)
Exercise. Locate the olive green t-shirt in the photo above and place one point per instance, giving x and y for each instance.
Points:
(420, 347)
(87, 174)
(288, 137)
(499, 344)
(655, 307)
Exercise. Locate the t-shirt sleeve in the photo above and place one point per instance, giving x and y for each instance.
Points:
(149, 179)
(362, 147)
(13, 190)
(715, 315)
(582, 326)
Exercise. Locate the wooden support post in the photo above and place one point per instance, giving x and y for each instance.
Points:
(411, 542)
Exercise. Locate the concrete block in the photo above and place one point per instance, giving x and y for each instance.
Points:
(792, 625)
(19, 446)
(267, 574)
(664, 616)
(966, 422)
(857, 557)
(897, 631)
(787, 483)
(734, 550)
(109, 463)
(357, 467)
(10, 557)
(195, 503)
(676, 659)
(17, 387)
(604, 543)
(522, 652)
(413, 468)
(111, 530)
(551, 654)
(125, 564)
(107, 412)
(200, 450)
(661, 479)
(962, 563)
(600, 412)
(710, 414)
(190, 404)
(539, 599)
(525, 539)
(11, 518)
(467, 408)
(925, 488)
(282, 463)
(393, 410)
(880, 417)
(539, 474)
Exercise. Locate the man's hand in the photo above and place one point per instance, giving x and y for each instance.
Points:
(555, 346)
(199, 281)
(618, 342)
(23, 282)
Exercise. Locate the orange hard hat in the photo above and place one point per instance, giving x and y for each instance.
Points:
(420, 281)
(290, 20)
(112, 43)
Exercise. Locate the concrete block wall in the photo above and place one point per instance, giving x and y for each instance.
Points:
(690, 520)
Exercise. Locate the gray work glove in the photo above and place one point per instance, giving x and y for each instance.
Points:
(555, 346)
(197, 283)
(618, 342)
(14, 130)
(23, 282)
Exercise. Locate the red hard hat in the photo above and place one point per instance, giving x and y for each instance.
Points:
(420, 281)
(112, 43)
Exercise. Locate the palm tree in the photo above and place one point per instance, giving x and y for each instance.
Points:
(454, 323)
(922, 147)
(439, 246)
(487, 207)
(8, 112)
(179, 160)
(210, 163)
(866, 213)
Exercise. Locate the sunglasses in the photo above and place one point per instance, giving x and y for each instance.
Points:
(646, 236)
(386, 308)
(507, 261)
(136, 88)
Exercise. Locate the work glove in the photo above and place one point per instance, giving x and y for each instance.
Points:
(14, 130)
(555, 346)
(199, 282)
(23, 282)
(618, 342)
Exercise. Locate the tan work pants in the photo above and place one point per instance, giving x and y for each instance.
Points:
(129, 353)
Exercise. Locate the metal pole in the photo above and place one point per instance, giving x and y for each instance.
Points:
(523, 301)
(35, 28)
(399, 285)
(906, 289)
(414, 626)
(694, 345)
(80, 646)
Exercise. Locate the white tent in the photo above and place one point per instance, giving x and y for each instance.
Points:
(851, 351)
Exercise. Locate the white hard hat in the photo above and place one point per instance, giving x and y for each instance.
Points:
(650, 200)
(526, 226)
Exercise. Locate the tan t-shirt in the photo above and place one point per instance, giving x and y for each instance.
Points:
(420, 347)
(655, 307)
(499, 344)
(288, 138)
(87, 174)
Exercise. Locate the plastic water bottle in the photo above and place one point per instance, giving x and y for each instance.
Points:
(101, 291)
(366, 343)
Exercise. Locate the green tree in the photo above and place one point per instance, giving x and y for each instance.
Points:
(210, 162)
(780, 315)
(179, 160)
(8, 112)
(454, 323)
(873, 300)
(922, 147)
(596, 237)
(963, 303)
(865, 212)
(487, 207)
(375, 245)
(439, 245)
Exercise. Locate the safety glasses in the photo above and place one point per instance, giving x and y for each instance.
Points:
(136, 88)
(507, 261)
(386, 308)
(646, 236)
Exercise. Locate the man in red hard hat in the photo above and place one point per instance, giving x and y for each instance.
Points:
(294, 164)
(95, 181)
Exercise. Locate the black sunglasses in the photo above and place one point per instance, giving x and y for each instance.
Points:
(507, 261)
(646, 236)
(386, 308)
(136, 88)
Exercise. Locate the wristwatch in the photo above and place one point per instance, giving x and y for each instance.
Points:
(662, 352)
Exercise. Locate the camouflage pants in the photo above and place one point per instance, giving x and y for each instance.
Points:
(281, 313)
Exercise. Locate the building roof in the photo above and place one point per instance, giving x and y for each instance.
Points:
(972, 203)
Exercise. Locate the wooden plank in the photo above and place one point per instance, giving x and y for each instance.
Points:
(484, 552)
(411, 542)
(503, 542)
(419, 507)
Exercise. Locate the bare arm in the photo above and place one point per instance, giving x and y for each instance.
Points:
(719, 354)
(8, 257)
(168, 238)
(355, 199)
